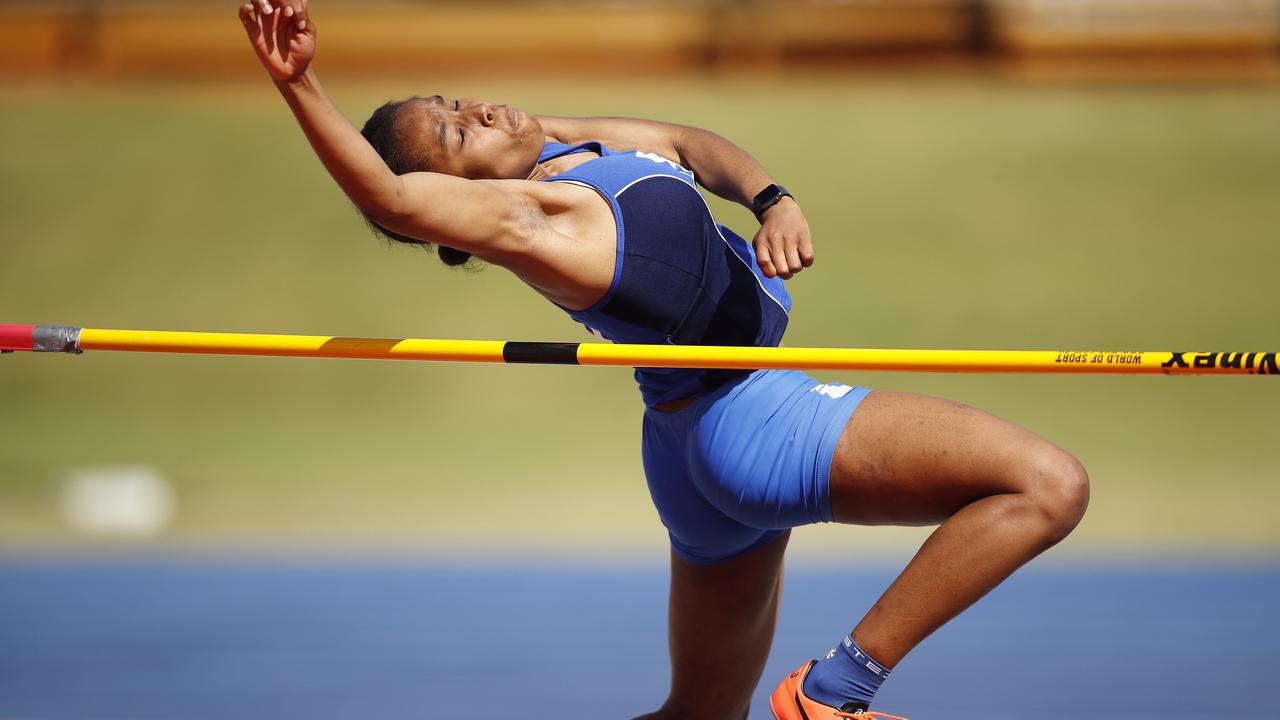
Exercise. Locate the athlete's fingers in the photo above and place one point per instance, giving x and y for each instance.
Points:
(264, 7)
(793, 256)
(764, 259)
(251, 26)
(778, 251)
(267, 25)
(806, 249)
(284, 29)
(245, 13)
(302, 14)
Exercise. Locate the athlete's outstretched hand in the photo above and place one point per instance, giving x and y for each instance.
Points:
(282, 36)
(783, 246)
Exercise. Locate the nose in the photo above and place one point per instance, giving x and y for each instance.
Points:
(483, 112)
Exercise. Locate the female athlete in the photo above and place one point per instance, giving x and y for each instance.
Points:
(603, 218)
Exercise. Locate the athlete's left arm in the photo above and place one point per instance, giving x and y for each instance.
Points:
(783, 244)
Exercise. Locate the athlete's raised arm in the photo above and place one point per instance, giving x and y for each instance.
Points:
(783, 243)
(476, 217)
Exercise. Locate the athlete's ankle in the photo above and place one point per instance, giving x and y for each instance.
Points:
(847, 674)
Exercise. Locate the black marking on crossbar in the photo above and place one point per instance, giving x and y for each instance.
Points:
(546, 353)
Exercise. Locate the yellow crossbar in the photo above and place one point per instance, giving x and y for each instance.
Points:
(48, 338)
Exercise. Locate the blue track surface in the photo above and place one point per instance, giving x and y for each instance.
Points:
(173, 637)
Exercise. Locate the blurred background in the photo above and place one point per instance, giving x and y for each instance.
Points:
(204, 537)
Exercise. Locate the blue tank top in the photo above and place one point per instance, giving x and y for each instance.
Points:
(679, 277)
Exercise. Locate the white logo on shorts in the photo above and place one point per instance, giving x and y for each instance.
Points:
(831, 390)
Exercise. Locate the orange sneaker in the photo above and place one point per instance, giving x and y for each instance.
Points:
(789, 702)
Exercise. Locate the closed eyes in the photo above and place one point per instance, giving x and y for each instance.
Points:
(462, 138)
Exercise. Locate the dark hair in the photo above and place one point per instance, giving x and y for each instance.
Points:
(380, 130)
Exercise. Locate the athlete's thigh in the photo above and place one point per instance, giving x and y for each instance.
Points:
(721, 624)
(906, 459)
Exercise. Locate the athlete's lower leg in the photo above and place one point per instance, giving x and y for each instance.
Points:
(971, 553)
(1002, 495)
(721, 623)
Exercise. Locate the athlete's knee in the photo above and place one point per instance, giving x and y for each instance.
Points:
(1059, 491)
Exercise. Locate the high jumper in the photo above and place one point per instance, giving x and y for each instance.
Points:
(604, 218)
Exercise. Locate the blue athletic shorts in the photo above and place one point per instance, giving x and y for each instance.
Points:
(746, 462)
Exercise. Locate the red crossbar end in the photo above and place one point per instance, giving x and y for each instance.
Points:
(17, 337)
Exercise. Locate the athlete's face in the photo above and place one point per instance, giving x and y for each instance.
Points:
(472, 138)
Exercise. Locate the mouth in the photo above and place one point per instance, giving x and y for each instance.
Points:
(516, 117)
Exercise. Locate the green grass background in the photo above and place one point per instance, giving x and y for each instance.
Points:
(946, 214)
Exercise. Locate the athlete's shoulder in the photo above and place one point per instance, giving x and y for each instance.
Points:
(629, 168)
(665, 164)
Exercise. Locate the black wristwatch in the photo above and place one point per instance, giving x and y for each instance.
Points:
(767, 198)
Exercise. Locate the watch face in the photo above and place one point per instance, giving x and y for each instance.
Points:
(769, 195)
(768, 198)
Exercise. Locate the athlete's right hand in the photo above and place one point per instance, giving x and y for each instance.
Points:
(282, 36)
(783, 245)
